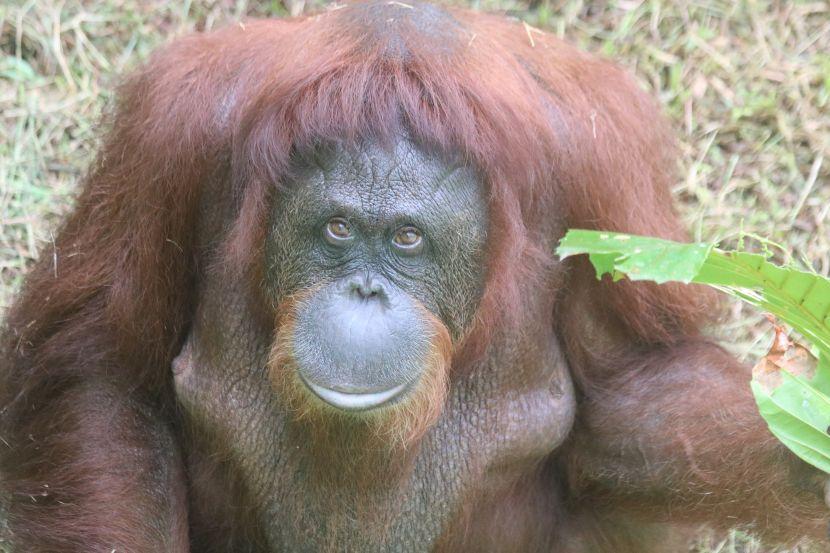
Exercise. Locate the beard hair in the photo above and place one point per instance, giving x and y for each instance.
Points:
(351, 452)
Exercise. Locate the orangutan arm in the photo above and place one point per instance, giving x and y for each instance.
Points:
(675, 433)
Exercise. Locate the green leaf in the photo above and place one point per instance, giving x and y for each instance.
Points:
(795, 406)
(801, 299)
(639, 257)
(797, 411)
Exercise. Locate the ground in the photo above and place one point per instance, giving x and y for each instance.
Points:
(746, 85)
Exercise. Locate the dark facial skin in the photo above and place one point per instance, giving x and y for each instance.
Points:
(361, 305)
(378, 237)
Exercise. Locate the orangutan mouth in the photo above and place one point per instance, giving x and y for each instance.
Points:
(354, 400)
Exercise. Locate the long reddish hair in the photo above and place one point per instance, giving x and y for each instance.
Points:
(560, 139)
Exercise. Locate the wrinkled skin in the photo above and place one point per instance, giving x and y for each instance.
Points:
(340, 381)
(496, 422)
(343, 338)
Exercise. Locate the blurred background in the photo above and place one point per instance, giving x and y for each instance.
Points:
(746, 85)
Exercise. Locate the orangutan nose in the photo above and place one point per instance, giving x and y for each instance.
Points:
(367, 286)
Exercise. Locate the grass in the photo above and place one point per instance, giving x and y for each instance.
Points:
(746, 84)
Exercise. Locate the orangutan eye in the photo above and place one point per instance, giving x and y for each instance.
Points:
(337, 231)
(408, 240)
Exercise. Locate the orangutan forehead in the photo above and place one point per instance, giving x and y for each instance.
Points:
(395, 182)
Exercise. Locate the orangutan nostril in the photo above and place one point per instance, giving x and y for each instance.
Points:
(366, 286)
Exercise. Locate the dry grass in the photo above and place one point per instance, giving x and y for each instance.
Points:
(746, 83)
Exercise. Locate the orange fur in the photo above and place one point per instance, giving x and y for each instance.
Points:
(559, 139)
